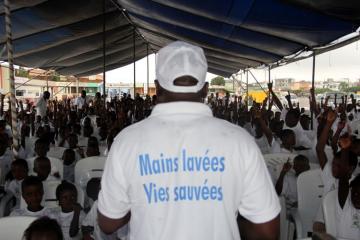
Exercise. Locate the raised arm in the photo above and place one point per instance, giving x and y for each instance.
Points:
(335, 138)
(264, 127)
(280, 182)
(276, 99)
(288, 99)
(320, 146)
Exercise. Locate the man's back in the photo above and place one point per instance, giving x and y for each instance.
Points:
(184, 175)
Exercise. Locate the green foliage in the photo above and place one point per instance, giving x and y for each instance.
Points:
(322, 90)
(352, 89)
(218, 81)
(21, 73)
(343, 86)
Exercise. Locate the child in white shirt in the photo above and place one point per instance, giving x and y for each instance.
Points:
(19, 170)
(32, 192)
(69, 215)
(90, 227)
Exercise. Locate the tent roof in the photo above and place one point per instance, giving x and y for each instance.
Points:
(67, 35)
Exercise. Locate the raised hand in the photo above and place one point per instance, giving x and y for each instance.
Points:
(331, 116)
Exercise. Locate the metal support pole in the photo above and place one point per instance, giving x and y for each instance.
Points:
(313, 87)
(256, 81)
(269, 82)
(104, 49)
(9, 47)
(147, 66)
(247, 89)
(47, 83)
(134, 36)
(77, 87)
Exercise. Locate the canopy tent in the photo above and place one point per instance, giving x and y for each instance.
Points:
(67, 35)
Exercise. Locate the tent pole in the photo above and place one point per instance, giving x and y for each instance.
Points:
(9, 47)
(269, 82)
(147, 67)
(247, 90)
(104, 50)
(313, 87)
(134, 35)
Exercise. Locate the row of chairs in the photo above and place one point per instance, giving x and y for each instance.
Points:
(310, 190)
(85, 169)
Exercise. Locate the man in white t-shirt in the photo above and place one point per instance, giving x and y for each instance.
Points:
(175, 179)
(81, 101)
(41, 105)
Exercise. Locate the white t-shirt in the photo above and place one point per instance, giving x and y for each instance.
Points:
(14, 188)
(263, 144)
(91, 220)
(5, 164)
(54, 162)
(347, 219)
(173, 176)
(289, 190)
(300, 135)
(25, 212)
(41, 106)
(80, 102)
(64, 220)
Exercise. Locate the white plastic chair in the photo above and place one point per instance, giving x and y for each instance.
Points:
(56, 152)
(310, 190)
(13, 227)
(49, 198)
(275, 161)
(88, 168)
(55, 162)
(329, 206)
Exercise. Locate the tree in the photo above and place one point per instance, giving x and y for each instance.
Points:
(343, 86)
(218, 81)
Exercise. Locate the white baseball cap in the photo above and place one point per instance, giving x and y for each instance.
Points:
(181, 59)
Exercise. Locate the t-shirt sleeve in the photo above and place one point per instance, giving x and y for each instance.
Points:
(91, 217)
(113, 200)
(259, 202)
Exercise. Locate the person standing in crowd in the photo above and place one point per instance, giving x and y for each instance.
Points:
(185, 185)
(41, 105)
(81, 101)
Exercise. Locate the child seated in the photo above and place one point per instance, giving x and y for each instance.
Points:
(73, 144)
(288, 141)
(69, 215)
(42, 168)
(69, 165)
(92, 147)
(90, 227)
(19, 171)
(43, 228)
(41, 150)
(5, 157)
(286, 184)
(32, 192)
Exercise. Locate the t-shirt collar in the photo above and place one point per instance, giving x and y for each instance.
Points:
(181, 107)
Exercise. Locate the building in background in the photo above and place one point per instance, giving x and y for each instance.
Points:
(283, 84)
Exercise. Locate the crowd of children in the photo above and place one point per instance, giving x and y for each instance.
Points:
(86, 128)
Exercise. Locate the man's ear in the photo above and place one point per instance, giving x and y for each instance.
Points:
(204, 91)
(158, 88)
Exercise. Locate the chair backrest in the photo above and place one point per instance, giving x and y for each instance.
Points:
(13, 227)
(329, 206)
(310, 190)
(275, 161)
(56, 152)
(49, 198)
(54, 162)
(284, 223)
(87, 168)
